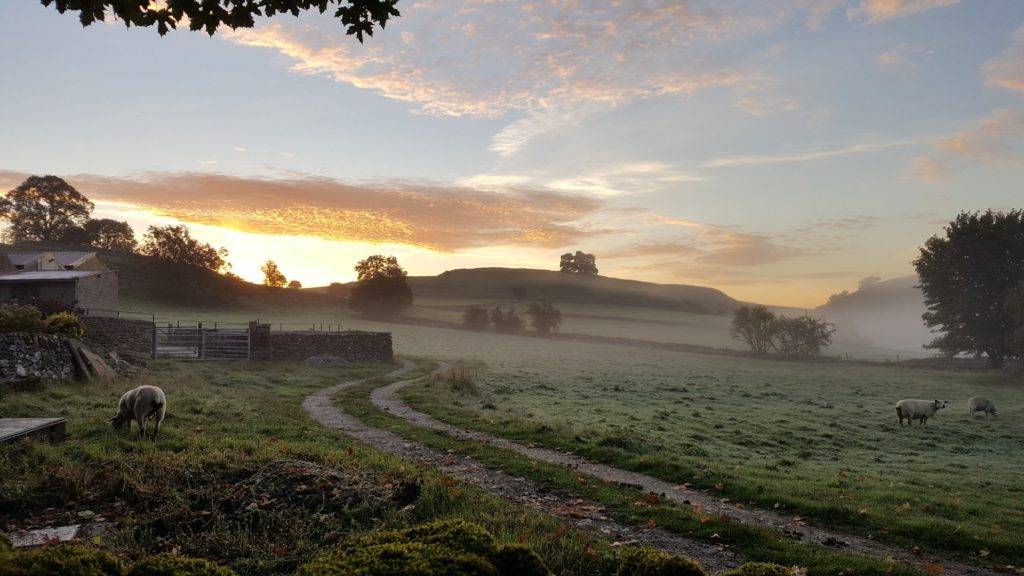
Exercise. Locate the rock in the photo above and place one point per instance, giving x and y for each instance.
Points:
(20, 370)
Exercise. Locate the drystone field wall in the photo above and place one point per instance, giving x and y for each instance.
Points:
(34, 356)
(126, 336)
(350, 346)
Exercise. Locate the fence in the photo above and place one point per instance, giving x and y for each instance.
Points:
(198, 342)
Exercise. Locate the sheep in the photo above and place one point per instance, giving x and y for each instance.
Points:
(918, 409)
(141, 404)
(979, 404)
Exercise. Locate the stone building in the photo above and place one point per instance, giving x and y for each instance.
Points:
(74, 279)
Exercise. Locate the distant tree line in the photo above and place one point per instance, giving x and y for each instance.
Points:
(763, 331)
(544, 318)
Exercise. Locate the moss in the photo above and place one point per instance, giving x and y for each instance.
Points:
(634, 561)
(166, 565)
(455, 548)
(63, 560)
(759, 569)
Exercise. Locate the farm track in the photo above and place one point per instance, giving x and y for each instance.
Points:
(387, 398)
(586, 515)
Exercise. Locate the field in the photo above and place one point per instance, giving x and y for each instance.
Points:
(817, 440)
(204, 489)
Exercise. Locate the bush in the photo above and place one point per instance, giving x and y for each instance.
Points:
(167, 565)
(544, 317)
(449, 548)
(506, 321)
(758, 569)
(476, 318)
(18, 318)
(64, 324)
(63, 560)
(634, 561)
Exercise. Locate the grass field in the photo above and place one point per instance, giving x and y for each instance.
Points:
(195, 490)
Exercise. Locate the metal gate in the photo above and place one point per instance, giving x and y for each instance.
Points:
(195, 342)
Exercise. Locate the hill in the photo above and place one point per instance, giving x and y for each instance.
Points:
(560, 287)
(148, 279)
(884, 314)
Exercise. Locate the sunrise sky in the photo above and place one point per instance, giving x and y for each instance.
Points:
(779, 150)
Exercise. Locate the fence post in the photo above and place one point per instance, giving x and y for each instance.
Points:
(202, 340)
(154, 338)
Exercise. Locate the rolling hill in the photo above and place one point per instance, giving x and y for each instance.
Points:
(885, 314)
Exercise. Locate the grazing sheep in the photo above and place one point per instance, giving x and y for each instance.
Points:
(918, 409)
(979, 404)
(141, 404)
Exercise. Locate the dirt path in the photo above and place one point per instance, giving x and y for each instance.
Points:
(584, 514)
(386, 398)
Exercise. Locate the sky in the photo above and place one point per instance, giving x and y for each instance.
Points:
(778, 150)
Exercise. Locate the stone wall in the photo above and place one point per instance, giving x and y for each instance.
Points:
(34, 355)
(351, 346)
(127, 336)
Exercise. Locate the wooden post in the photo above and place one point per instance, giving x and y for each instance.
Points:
(202, 340)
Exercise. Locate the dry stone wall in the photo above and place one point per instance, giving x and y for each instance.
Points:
(34, 356)
(126, 336)
(350, 346)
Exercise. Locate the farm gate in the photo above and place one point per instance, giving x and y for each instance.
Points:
(198, 342)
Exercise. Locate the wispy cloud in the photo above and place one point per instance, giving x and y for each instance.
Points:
(1007, 69)
(881, 10)
(809, 156)
(997, 140)
(628, 178)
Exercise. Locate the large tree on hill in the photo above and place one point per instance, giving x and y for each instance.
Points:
(359, 17)
(44, 208)
(110, 234)
(381, 289)
(967, 277)
(272, 275)
(578, 263)
(176, 244)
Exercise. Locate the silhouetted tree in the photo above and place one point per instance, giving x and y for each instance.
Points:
(755, 326)
(110, 235)
(476, 318)
(359, 17)
(967, 277)
(544, 317)
(518, 292)
(381, 289)
(272, 275)
(506, 321)
(338, 290)
(578, 263)
(175, 244)
(44, 208)
(295, 284)
(802, 336)
(1015, 308)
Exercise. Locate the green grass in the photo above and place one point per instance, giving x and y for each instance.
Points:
(627, 504)
(225, 422)
(821, 441)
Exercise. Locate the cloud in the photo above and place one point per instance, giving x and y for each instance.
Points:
(902, 57)
(628, 178)
(809, 156)
(997, 140)
(881, 10)
(676, 248)
(1007, 69)
(445, 218)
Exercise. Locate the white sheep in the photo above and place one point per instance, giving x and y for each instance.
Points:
(979, 404)
(918, 409)
(141, 404)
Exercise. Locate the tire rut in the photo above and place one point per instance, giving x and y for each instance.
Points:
(386, 398)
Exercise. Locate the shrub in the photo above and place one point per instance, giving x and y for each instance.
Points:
(167, 565)
(63, 560)
(18, 318)
(506, 321)
(544, 317)
(476, 318)
(450, 548)
(635, 561)
(64, 324)
(759, 569)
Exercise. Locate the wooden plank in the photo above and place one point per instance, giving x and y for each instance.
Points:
(39, 429)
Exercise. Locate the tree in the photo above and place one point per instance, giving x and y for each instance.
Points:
(381, 289)
(359, 17)
(578, 263)
(110, 235)
(1015, 308)
(175, 244)
(506, 321)
(544, 317)
(295, 284)
(44, 208)
(802, 336)
(475, 318)
(272, 275)
(966, 278)
(755, 326)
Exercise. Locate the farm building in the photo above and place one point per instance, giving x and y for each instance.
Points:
(74, 279)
